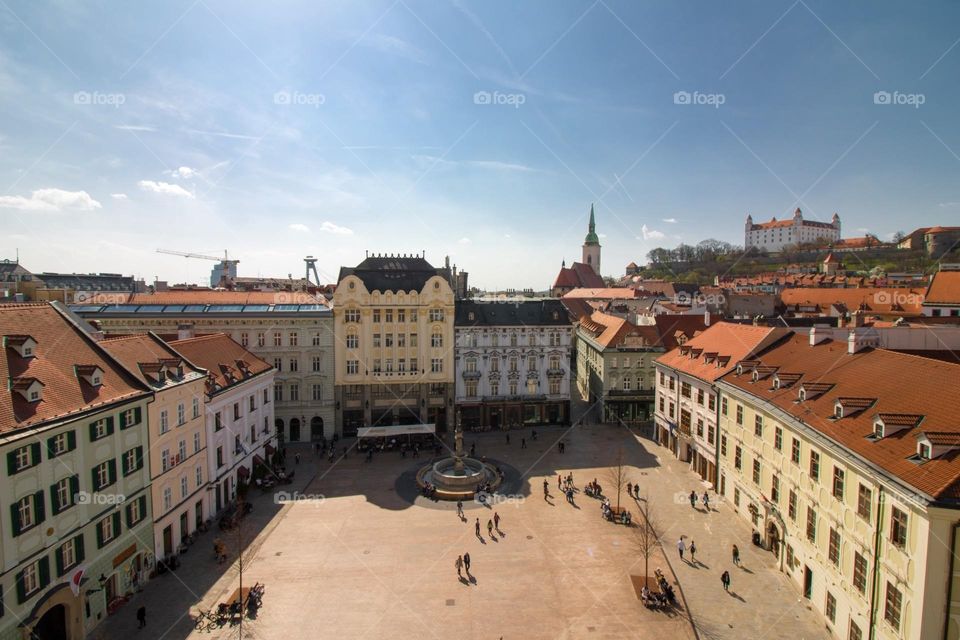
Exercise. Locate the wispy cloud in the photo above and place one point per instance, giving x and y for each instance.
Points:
(51, 199)
(183, 172)
(651, 234)
(165, 188)
(670, 220)
(330, 227)
(134, 127)
(222, 134)
(118, 196)
(464, 241)
(493, 165)
(296, 226)
(949, 204)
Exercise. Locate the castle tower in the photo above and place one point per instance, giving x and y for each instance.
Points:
(591, 245)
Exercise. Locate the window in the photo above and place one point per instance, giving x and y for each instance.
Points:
(136, 510)
(471, 365)
(684, 387)
(471, 388)
(711, 434)
(513, 388)
(513, 339)
(401, 315)
(795, 451)
(294, 364)
(294, 393)
(278, 364)
(700, 397)
(864, 502)
(353, 366)
(196, 407)
(831, 608)
(436, 340)
(219, 457)
(554, 387)
(892, 604)
(778, 439)
(736, 497)
(738, 458)
(104, 474)
(69, 555)
(699, 427)
(789, 557)
(756, 472)
(63, 492)
(792, 505)
(898, 527)
(101, 429)
(739, 414)
(196, 442)
(860, 572)
(351, 315)
(266, 397)
(184, 487)
(132, 460)
(758, 426)
(181, 451)
(28, 512)
(838, 475)
(164, 422)
(436, 365)
(811, 524)
(413, 364)
(436, 315)
(376, 340)
(236, 410)
(711, 402)
(833, 549)
(723, 406)
(814, 466)
(130, 417)
(277, 339)
(32, 578)
(108, 529)
(60, 444)
(244, 339)
(388, 339)
(315, 341)
(181, 414)
(723, 445)
(413, 339)
(775, 489)
(294, 339)
(261, 339)
(855, 632)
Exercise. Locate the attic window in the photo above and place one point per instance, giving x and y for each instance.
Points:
(923, 450)
(878, 429)
(802, 394)
(24, 345)
(838, 410)
(471, 315)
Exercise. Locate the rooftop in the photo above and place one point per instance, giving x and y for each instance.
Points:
(226, 362)
(526, 313)
(717, 350)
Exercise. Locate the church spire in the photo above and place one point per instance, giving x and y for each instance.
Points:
(592, 238)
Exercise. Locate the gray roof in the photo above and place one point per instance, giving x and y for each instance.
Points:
(394, 273)
(88, 281)
(519, 313)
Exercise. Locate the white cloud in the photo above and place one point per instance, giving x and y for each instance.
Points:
(183, 172)
(651, 234)
(296, 226)
(670, 220)
(499, 166)
(50, 200)
(329, 227)
(464, 241)
(118, 196)
(506, 235)
(948, 204)
(601, 235)
(133, 127)
(164, 188)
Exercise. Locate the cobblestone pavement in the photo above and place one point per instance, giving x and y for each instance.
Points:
(368, 561)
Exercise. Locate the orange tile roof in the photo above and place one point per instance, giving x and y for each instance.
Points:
(726, 344)
(904, 387)
(576, 275)
(606, 293)
(221, 356)
(610, 331)
(225, 297)
(885, 300)
(944, 288)
(136, 350)
(61, 346)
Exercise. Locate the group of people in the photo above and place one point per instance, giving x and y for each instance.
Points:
(705, 498)
(429, 490)
(623, 517)
(665, 596)
(593, 489)
(219, 550)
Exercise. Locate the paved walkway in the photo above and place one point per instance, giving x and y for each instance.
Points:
(367, 561)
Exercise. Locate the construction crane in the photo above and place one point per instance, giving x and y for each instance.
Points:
(226, 270)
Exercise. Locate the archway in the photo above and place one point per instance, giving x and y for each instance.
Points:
(316, 428)
(294, 429)
(281, 436)
(773, 538)
(52, 625)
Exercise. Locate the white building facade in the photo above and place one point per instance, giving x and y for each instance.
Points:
(776, 234)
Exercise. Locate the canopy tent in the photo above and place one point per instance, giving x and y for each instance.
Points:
(396, 430)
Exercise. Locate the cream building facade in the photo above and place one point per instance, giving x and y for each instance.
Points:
(844, 460)
(394, 354)
(178, 442)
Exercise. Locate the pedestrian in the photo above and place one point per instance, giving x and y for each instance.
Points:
(508, 438)
(681, 547)
(693, 499)
(297, 458)
(706, 501)
(725, 579)
(629, 488)
(559, 482)
(141, 617)
(693, 552)
(473, 450)
(490, 528)
(546, 489)
(534, 434)
(476, 527)
(560, 446)
(496, 520)
(459, 565)
(523, 443)
(466, 562)
(460, 508)
(636, 491)
(736, 555)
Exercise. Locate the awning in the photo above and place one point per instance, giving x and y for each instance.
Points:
(243, 473)
(269, 450)
(258, 459)
(395, 430)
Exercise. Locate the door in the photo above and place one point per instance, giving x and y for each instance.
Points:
(495, 419)
(168, 540)
(184, 525)
(316, 428)
(52, 625)
(807, 582)
(198, 513)
(294, 430)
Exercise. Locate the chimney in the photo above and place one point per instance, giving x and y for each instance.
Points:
(706, 318)
(185, 331)
(860, 338)
(818, 335)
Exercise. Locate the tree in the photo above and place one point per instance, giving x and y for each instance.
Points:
(617, 476)
(647, 539)
(898, 237)
(658, 256)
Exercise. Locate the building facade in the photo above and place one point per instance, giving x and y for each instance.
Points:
(512, 363)
(393, 322)
(242, 429)
(776, 234)
(77, 530)
(177, 454)
(844, 460)
(292, 331)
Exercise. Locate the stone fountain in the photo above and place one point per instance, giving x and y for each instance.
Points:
(458, 476)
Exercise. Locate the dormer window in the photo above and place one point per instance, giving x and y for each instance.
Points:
(24, 345)
(838, 410)
(878, 429)
(923, 450)
(89, 373)
(30, 389)
(802, 394)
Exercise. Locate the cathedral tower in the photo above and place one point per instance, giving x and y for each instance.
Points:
(591, 245)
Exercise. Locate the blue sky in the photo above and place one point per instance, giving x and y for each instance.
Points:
(277, 130)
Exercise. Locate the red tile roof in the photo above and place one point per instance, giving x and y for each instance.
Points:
(944, 288)
(61, 346)
(905, 387)
(726, 344)
(603, 293)
(673, 327)
(896, 301)
(144, 352)
(577, 275)
(222, 357)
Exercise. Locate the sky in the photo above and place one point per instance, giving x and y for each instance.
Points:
(482, 131)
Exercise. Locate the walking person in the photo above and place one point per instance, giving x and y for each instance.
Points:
(693, 499)
(636, 491)
(629, 489)
(523, 443)
(460, 509)
(693, 552)
(725, 579)
(490, 528)
(141, 617)
(681, 547)
(466, 562)
(508, 438)
(476, 527)
(496, 521)
(736, 555)
(559, 482)
(706, 501)
(459, 565)
(296, 458)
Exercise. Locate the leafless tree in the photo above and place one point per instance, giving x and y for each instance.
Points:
(647, 540)
(617, 476)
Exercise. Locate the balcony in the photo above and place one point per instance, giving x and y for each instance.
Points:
(639, 394)
(471, 375)
(557, 372)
